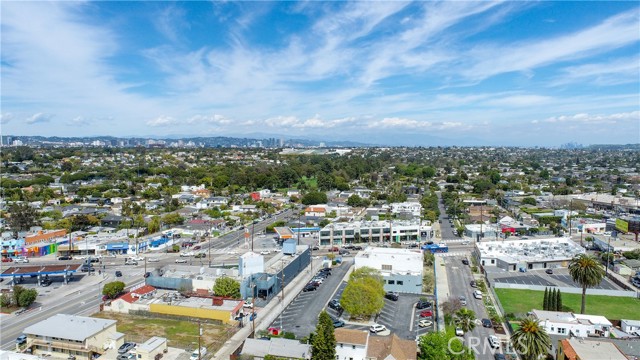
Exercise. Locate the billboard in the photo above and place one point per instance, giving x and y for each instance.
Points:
(622, 225)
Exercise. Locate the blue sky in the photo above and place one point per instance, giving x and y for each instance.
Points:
(515, 73)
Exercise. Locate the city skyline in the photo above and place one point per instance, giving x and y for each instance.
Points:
(389, 73)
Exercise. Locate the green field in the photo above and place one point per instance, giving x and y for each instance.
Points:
(519, 302)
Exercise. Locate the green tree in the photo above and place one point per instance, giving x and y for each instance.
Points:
(552, 300)
(226, 286)
(355, 201)
(17, 291)
(443, 346)
(465, 319)
(27, 297)
(364, 293)
(585, 270)
(154, 224)
(545, 301)
(529, 201)
(113, 289)
(323, 343)
(531, 341)
(172, 219)
(314, 198)
(5, 300)
(558, 300)
(22, 217)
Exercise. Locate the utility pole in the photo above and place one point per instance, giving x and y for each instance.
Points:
(299, 217)
(145, 269)
(570, 211)
(253, 227)
(210, 235)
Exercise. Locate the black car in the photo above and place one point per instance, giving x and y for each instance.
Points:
(465, 262)
(423, 304)
(357, 248)
(326, 270)
(87, 268)
(499, 357)
(315, 248)
(338, 323)
(391, 296)
(45, 282)
(147, 274)
(473, 283)
(335, 304)
(118, 273)
(549, 271)
(126, 347)
(486, 323)
(66, 257)
(309, 287)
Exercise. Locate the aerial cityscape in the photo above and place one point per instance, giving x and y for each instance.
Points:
(434, 180)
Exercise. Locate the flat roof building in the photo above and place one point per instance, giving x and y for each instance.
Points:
(579, 349)
(401, 269)
(513, 255)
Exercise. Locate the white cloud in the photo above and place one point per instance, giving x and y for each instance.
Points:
(519, 100)
(618, 71)
(396, 122)
(162, 121)
(6, 117)
(615, 32)
(39, 118)
(79, 121)
(584, 118)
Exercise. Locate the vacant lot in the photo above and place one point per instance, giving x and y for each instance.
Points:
(180, 333)
(520, 302)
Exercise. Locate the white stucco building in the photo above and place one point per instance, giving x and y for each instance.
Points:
(351, 344)
(401, 268)
(579, 325)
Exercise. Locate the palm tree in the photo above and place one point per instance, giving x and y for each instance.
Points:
(466, 319)
(531, 341)
(586, 271)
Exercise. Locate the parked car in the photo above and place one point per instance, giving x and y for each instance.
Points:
(136, 258)
(338, 323)
(344, 252)
(357, 247)
(423, 304)
(326, 270)
(376, 328)
(22, 339)
(391, 296)
(126, 347)
(463, 300)
(23, 260)
(549, 271)
(65, 257)
(309, 287)
(197, 247)
(151, 259)
(7, 259)
(486, 323)
(494, 341)
(315, 248)
(473, 284)
(465, 262)
(265, 252)
(147, 274)
(335, 304)
(118, 273)
(426, 313)
(87, 268)
(459, 332)
(200, 255)
(181, 261)
(425, 323)
(126, 356)
(477, 294)
(186, 254)
(195, 355)
(334, 249)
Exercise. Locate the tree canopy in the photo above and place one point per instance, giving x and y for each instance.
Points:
(113, 289)
(364, 293)
(323, 343)
(226, 286)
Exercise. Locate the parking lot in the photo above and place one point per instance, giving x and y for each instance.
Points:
(560, 277)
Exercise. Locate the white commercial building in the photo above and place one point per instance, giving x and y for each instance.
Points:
(414, 208)
(527, 254)
(569, 324)
(375, 231)
(251, 263)
(631, 327)
(401, 269)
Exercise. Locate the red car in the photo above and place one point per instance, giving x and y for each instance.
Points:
(426, 313)
(7, 259)
(335, 248)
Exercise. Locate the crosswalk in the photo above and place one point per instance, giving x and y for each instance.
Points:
(451, 254)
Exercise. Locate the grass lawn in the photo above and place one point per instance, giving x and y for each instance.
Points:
(520, 302)
(180, 333)
(311, 182)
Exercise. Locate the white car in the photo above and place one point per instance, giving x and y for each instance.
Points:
(376, 328)
(21, 260)
(265, 252)
(248, 305)
(494, 341)
(425, 323)
(195, 355)
(136, 258)
(466, 242)
(459, 332)
(186, 254)
(181, 261)
(153, 260)
(477, 294)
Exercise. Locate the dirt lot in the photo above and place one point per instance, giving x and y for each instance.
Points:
(180, 333)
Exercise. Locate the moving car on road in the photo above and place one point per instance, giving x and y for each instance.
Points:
(181, 261)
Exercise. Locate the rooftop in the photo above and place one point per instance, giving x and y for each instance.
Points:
(594, 350)
(351, 336)
(70, 327)
(518, 251)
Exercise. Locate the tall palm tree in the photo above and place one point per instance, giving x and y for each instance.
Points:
(531, 340)
(586, 271)
(466, 319)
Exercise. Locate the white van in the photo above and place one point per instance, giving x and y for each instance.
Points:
(195, 355)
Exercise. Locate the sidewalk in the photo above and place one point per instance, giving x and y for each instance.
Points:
(269, 313)
(442, 290)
